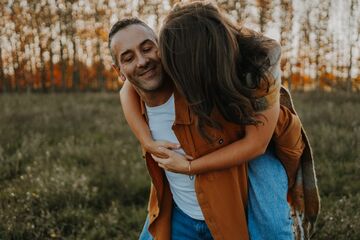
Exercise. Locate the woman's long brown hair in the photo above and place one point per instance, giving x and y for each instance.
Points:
(211, 62)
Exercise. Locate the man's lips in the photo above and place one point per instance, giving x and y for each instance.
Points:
(147, 71)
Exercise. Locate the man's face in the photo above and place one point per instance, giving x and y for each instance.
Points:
(136, 51)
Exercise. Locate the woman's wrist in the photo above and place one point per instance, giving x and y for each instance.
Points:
(190, 173)
(189, 168)
(148, 145)
(147, 142)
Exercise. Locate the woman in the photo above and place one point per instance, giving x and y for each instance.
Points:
(230, 73)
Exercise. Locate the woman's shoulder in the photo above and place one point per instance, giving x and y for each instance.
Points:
(261, 54)
(263, 47)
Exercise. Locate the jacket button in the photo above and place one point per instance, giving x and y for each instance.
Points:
(221, 141)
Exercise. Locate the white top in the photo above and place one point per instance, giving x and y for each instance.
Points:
(161, 119)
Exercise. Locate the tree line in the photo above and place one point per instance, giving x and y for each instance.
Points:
(61, 45)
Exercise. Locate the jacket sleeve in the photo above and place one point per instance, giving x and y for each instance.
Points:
(288, 142)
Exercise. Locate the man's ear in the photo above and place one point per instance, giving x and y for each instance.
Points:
(158, 53)
(119, 73)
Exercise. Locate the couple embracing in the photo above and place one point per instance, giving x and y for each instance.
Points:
(225, 150)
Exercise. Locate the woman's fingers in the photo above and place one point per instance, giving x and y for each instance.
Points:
(160, 154)
(170, 145)
(165, 151)
(162, 166)
(158, 160)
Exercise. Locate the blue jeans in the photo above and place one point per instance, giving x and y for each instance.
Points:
(268, 211)
(145, 234)
(182, 227)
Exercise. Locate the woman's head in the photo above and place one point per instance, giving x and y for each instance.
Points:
(195, 41)
(200, 50)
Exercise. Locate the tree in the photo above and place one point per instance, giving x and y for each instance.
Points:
(265, 13)
(304, 44)
(286, 18)
(61, 19)
(2, 33)
(353, 38)
(321, 38)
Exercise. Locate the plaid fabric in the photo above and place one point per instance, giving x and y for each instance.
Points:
(303, 196)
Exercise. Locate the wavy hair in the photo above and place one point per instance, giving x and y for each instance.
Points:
(212, 63)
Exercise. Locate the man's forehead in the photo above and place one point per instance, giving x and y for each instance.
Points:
(131, 37)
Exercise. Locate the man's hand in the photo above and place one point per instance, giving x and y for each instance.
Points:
(174, 162)
(154, 148)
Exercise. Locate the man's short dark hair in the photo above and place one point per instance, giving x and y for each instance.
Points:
(121, 24)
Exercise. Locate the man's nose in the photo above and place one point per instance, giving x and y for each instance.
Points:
(142, 61)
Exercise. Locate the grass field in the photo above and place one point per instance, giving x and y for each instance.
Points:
(71, 169)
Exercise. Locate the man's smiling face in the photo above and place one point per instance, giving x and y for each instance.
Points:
(136, 52)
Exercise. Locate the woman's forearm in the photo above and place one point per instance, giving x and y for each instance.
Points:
(130, 102)
(252, 145)
(256, 139)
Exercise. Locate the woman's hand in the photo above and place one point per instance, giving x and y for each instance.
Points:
(173, 162)
(154, 147)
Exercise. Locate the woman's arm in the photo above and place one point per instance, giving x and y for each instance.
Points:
(131, 105)
(252, 145)
(130, 102)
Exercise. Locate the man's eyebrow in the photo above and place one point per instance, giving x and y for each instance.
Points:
(146, 41)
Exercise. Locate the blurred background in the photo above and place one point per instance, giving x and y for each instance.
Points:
(70, 167)
(58, 45)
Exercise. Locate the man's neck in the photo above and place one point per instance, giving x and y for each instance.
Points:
(158, 97)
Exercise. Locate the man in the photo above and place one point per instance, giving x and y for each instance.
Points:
(134, 48)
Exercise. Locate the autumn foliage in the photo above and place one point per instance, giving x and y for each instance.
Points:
(62, 45)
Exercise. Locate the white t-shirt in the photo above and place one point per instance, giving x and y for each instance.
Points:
(161, 118)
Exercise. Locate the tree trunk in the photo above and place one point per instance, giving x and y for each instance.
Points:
(100, 69)
(63, 67)
(43, 70)
(16, 70)
(349, 79)
(62, 19)
(75, 73)
(52, 80)
(2, 75)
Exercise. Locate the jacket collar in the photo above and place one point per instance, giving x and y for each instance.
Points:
(183, 115)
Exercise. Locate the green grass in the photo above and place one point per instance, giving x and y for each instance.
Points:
(71, 169)
(332, 122)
